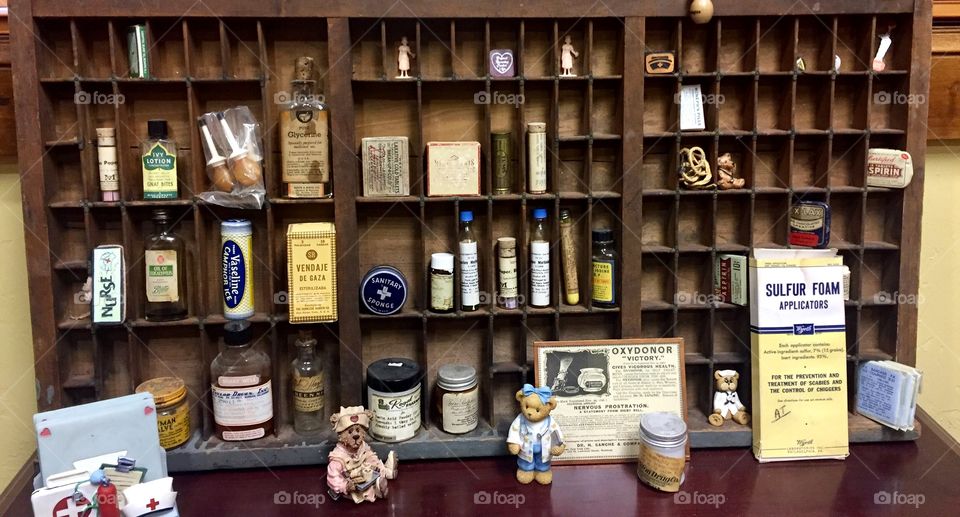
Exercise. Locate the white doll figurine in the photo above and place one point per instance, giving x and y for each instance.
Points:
(404, 55)
(567, 54)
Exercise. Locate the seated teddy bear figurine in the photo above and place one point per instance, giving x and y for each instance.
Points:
(727, 173)
(726, 402)
(535, 436)
(353, 467)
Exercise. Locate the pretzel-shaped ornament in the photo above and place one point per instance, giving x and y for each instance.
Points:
(695, 169)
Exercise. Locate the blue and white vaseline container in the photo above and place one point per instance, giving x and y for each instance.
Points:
(383, 290)
(236, 267)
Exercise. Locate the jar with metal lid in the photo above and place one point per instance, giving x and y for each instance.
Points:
(173, 412)
(663, 450)
(393, 394)
(457, 398)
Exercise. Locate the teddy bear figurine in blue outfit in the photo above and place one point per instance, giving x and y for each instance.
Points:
(535, 436)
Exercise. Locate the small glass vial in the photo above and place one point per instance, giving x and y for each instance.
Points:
(537, 157)
(165, 260)
(606, 269)
(307, 386)
(241, 386)
(173, 412)
(441, 282)
(107, 164)
(469, 264)
(539, 260)
(663, 451)
(571, 286)
(457, 398)
(507, 262)
(502, 162)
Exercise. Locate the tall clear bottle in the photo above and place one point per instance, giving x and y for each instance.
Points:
(469, 267)
(307, 379)
(539, 260)
(304, 136)
(165, 258)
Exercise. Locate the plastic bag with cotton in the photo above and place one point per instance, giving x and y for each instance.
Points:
(231, 147)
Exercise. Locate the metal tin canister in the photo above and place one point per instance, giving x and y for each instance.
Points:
(810, 224)
(502, 162)
(236, 263)
(383, 290)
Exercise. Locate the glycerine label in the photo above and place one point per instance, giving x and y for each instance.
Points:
(238, 407)
(396, 418)
(303, 146)
(540, 273)
(460, 411)
(161, 276)
(469, 275)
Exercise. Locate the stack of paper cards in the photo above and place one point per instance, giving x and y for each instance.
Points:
(887, 393)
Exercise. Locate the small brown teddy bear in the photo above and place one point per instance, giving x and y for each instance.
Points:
(726, 402)
(727, 173)
(354, 469)
(535, 436)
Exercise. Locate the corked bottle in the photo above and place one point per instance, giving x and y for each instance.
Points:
(571, 287)
(507, 255)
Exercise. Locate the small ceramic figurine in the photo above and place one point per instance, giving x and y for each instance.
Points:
(567, 54)
(404, 56)
(695, 169)
(727, 173)
(535, 436)
(726, 402)
(354, 469)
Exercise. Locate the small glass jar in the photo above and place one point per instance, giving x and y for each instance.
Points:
(393, 394)
(663, 451)
(457, 398)
(441, 283)
(173, 412)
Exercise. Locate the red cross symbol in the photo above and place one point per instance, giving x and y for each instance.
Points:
(153, 504)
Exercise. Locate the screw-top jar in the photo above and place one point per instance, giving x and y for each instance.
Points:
(241, 386)
(393, 393)
(173, 412)
(441, 282)
(605, 269)
(457, 398)
(663, 440)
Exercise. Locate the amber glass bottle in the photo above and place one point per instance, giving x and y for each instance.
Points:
(241, 387)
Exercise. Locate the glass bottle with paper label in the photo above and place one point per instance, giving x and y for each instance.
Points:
(307, 380)
(539, 260)
(241, 387)
(469, 267)
(165, 260)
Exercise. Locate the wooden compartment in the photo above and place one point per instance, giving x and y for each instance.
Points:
(775, 52)
(613, 138)
(167, 54)
(699, 47)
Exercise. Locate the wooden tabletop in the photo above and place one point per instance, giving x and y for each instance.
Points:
(877, 479)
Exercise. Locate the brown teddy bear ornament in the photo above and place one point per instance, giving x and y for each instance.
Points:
(727, 173)
(726, 402)
(535, 436)
(354, 470)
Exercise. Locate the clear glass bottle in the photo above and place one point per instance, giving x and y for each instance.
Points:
(539, 260)
(241, 386)
(469, 265)
(307, 380)
(606, 269)
(166, 264)
(304, 136)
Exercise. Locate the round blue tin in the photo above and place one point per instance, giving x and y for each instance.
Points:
(383, 290)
